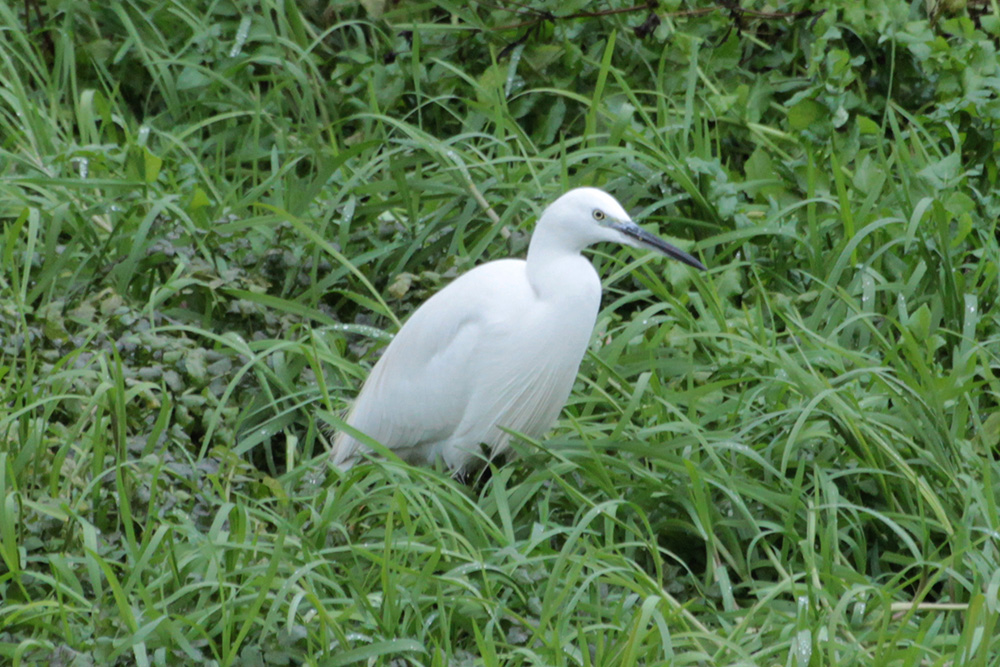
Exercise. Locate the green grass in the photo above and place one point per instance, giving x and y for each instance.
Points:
(214, 216)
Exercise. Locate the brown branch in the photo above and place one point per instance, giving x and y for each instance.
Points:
(544, 16)
(521, 9)
(650, 6)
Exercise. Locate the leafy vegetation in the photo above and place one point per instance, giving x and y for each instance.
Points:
(214, 214)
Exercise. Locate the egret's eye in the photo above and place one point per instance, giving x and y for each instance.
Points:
(598, 214)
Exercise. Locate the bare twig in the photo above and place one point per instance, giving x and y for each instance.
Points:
(547, 16)
(650, 6)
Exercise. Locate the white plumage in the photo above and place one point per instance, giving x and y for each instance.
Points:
(498, 347)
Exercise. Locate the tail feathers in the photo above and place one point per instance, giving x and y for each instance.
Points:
(344, 452)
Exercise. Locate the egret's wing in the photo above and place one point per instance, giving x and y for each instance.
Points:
(532, 405)
(418, 392)
(533, 380)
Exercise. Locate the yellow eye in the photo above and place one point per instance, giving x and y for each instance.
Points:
(598, 214)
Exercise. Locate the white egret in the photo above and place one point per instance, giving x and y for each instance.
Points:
(498, 348)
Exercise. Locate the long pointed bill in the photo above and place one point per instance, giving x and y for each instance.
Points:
(644, 238)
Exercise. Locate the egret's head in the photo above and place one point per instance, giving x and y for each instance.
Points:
(587, 215)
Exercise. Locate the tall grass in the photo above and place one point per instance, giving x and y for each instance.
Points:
(213, 219)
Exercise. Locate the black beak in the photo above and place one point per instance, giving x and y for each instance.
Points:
(644, 238)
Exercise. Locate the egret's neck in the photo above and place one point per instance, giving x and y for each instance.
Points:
(557, 270)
